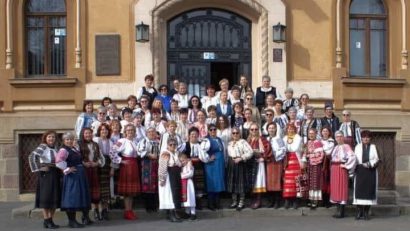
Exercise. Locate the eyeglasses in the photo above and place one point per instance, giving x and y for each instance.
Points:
(269, 114)
(235, 133)
(102, 113)
(212, 129)
(346, 114)
(253, 129)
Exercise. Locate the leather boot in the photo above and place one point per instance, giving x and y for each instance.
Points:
(295, 203)
(72, 222)
(234, 201)
(359, 212)
(104, 214)
(257, 202)
(86, 218)
(51, 224)
(173, 217)
(337, 211)
(287, 204)
(366, 212)
(341, 212)
(241, 203)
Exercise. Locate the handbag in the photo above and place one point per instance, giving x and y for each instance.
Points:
(302, 185)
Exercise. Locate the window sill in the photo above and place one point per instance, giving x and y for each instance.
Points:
(43, 82)
(373, 82)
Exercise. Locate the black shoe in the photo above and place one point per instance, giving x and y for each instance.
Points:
(86, 221)
(211, 205)
(366, 213)
(46, 223)
(287, 204)
(240, 207)
(359, 212)
(277, 204)
(75, 224)
(97, 215)
(192, 217)
(173, 217)
(104, 215)
(295, 204)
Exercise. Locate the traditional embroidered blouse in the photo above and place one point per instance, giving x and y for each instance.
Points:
(42, 155)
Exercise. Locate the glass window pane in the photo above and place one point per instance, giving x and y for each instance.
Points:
(45, 6)
(378, 24)
(35, 51)
(357, 53)
(367, 7)
(377, 53)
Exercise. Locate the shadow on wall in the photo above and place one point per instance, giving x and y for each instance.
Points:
(301, 56)
(311, 8)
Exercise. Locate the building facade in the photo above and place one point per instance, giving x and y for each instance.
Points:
(55, 54)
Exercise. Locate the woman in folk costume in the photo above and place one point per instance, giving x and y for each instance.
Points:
(214, 167)
(261, 152)
(148, 150)
(86, 118)
(224, 107)
(293, 119)
(239, 151)
(182, 96)
(188, 189)
(294, 162)
(93, 161)
(365, 181)
(256, 116)
(328, 144)
(350, 129)
(224, 132)
(124, 153)
(194, 151)
(274, 165)
(269, 114)
(280, 118)
(169, 176)
(75, 192)
(106, 172)
(309, 122)
(171, 133)
(158, 122)
(148, 89)
(343, 161)
(183, 125)
(48, 192)
(194, 106)
(314, 155)
(201, 124)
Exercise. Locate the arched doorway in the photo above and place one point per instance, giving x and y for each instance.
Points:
(206, 45)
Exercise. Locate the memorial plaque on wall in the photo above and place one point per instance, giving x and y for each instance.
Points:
(107, 55)
(277, 55)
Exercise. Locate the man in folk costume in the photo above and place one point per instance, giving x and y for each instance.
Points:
(365, 181)
(261, 152)
(350, 129)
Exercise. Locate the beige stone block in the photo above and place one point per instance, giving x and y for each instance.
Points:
(9, 195)
(403, 178)
(12, 166)
(403, 163)
(2, 167)
(9, 150)
(403, 149)
(11, 181)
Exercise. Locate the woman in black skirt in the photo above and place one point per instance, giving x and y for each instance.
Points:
(365, 181)
(48, 193)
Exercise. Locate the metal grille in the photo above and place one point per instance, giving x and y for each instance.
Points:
(28, 142)
(385, 143)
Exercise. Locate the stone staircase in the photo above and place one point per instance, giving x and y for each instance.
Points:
(389, 205)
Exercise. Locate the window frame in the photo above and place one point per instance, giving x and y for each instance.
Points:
(46, 43)
(367, 18)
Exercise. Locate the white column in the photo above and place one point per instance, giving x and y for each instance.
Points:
(78, 37)
(338, 34)
(404, 52)
(9, 48)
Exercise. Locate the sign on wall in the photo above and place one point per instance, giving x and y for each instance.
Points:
(107, 55)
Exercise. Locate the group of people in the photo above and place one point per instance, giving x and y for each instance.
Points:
(174, 149)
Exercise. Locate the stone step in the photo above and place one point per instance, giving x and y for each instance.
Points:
(377, 211)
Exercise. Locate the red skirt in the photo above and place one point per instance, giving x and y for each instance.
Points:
(339, 184)
(274, 176)
(94, 184)
(184, 190)
(129, 180)
(289, 179)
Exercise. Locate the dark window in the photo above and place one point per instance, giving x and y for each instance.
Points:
(45, 37)
(368, 38)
